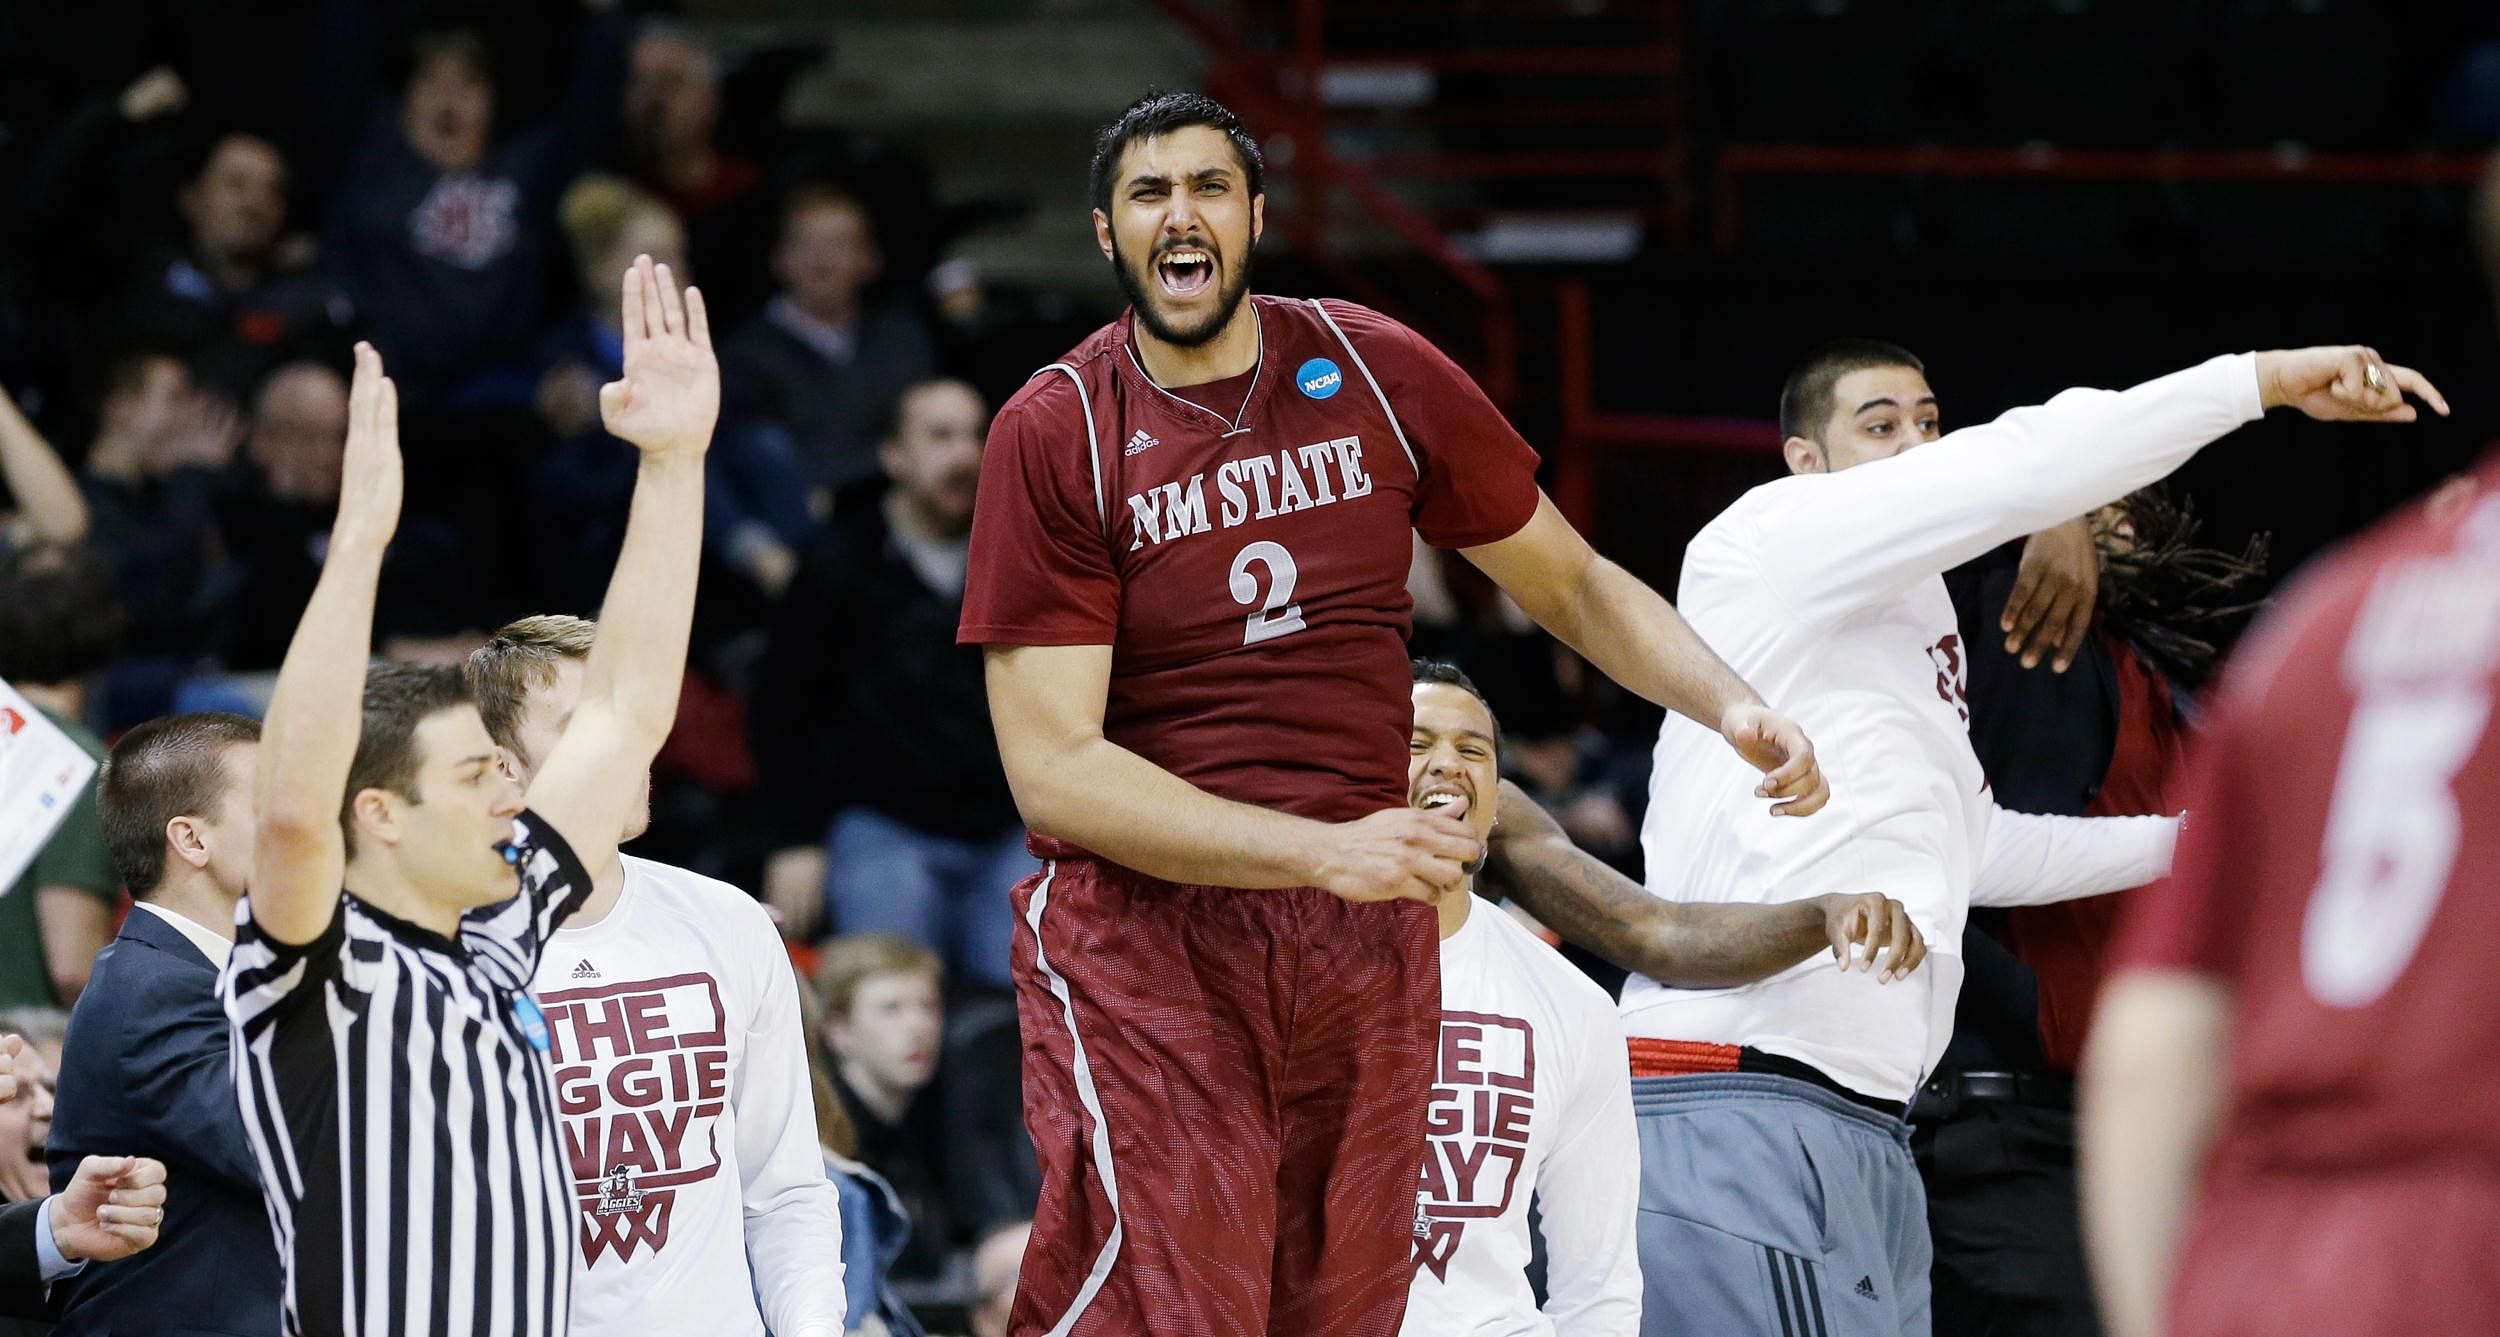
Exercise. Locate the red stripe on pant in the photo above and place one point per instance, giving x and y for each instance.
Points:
(1254, 1065)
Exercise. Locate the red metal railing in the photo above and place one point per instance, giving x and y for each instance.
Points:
(1258, 86)
(1738, 162)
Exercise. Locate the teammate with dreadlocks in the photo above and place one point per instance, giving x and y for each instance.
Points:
(2096, 730)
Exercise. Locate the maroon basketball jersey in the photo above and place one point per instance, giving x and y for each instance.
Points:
(2338, 868)
(1248, 566)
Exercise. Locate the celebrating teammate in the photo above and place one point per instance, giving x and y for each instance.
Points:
(388, 1058)
(1188, 569)
(1828, 584)
(672, 1011)
(1530, 1094)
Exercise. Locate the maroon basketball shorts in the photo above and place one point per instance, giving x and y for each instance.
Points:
(1226, 1091)
(2397, 1252)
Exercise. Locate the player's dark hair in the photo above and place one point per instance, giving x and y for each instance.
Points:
(398, 698)
(163, 769)
(1448, 674)
(60, 616)
(2172, 597)
(1806, 400)
(1161, 113)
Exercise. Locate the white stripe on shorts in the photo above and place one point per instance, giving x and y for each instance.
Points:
(1090, 1099)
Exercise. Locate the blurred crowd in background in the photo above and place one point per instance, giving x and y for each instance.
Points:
(202, 207)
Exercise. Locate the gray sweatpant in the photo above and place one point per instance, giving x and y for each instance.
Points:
(1773, 1208)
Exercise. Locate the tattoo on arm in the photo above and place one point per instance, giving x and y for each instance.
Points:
(1694, 946)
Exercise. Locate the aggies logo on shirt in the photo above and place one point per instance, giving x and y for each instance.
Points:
(642, 1079)
(1483, 1104)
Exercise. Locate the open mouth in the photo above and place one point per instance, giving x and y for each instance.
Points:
(1186, 271)
(1450, 801)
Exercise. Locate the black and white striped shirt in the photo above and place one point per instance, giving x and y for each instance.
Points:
(394, 1084)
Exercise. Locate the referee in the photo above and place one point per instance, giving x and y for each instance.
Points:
(388, 1058)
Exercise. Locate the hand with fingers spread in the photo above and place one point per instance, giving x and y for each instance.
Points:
(1397, 853)
(1773, 744)
(112, 1208)
(1864, 927)
(2049, 613)
(2344, 384)
(370, 469)
(669, 395)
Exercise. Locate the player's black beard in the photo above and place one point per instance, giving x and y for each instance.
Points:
(1141, 296)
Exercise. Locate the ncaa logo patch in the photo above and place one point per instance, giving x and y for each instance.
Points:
(1319, 378)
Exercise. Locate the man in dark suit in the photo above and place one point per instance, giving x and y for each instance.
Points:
(146, 1068)
(112, 1208)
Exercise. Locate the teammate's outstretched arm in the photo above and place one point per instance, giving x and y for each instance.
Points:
(1831, 544)
(1682, 943)
(316, 712)
(2153, 1091)
(1046, 705)
(1634, 636)
(665, 404)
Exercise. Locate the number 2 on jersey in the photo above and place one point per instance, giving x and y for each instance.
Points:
(1278, 615)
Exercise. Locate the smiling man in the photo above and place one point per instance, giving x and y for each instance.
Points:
(1188, 571)
(1530, 1093)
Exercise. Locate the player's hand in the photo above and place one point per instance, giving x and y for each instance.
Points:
(370, 469)
(1397, 853)
(1772, 743)
(9, 1047)
(112, 1208)
(1863, 927)
(669, 396)
(794, 886)
(2348, 384)
(2050, 611)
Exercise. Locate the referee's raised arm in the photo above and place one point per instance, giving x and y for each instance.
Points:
(665, 404)
(308, 741)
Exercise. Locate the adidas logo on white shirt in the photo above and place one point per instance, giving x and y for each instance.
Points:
(583, 970)
(1139, 443)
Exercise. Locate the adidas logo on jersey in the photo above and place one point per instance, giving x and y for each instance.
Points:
(1865, 1287)
(1139, 443)
(583, 970)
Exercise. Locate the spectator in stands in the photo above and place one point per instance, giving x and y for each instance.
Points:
(236, 291)
(59, 624)
(145, 1070)
(277, 525)
(672, 118)
(994, 1267)
(862, 662)
(45, 505)
(439, 228)
(26, 1122)
(581, 488)
(883, 1016)
(824, 364)
(874, 1224)
(162, 448)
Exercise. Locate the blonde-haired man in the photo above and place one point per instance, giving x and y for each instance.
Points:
(680, 1066)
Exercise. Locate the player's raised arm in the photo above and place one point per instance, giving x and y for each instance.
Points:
(1634, 636)
(1685, 944)
(1833, 543)
(665, 404)
(1046, 704)
(316, 712)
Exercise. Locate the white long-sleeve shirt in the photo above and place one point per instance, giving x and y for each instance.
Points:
(1531, 1095)
(1825, 592)
(689, 1125)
